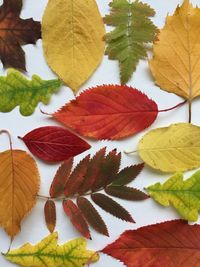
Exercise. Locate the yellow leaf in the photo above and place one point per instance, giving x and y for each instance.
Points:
(172, 149)
(19, 185)
(72, 32)
(176, 55)
(49, 253)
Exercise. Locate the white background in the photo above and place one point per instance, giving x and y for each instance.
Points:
(145, 212)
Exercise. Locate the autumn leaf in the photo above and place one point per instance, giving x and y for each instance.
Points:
(16, 90)
(50, 215)
(15, 32)
(73, 43)
(49, 253)
(183, 195)
(127, 43)
(176, 54)
(172, 149)
(168, 244)
(101, 172)
(53, 144)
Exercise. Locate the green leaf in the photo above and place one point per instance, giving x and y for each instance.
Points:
(183, 195)
(127, 43)
(49, 253)
(16, 90)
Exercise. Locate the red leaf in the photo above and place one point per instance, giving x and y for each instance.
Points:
(60, 179)
(14, 33)
(169, 244)
(50, 215)
(108, 112)
(54, 144)
(76, 218)
(92, 216)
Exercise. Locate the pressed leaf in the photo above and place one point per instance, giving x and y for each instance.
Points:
(19, 181)
(50, 215)
(73, 45)
(127, 175)
(127, 43)
(184, 196)
(168, 244)
(108, 112)
(49, 253)
(92, 216)
(15, 32)
(53, 144)
(172, 149)
(109, 205)
(60, 179)
(76, 217)
(176, 55)
(125, 192)
(16, 90)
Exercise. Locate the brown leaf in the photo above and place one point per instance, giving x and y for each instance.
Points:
(92, 216)
(50, 215)
(76, 218)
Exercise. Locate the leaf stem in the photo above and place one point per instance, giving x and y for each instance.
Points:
(174, 107)
(9, 137)
(190, 111)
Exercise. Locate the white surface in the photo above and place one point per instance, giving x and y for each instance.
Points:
(144, 213)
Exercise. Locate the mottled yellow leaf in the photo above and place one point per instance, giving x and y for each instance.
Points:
(72, 32)
(172, 149)
(176, 55)
(19, 185)
(48, 253)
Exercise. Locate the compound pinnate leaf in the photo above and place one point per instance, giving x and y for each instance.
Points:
(16, 90)
(50, 215)
(173, 243)
(53, 144)
(183, 195)
(76, 217)
(19, 181)
(172, 149)
(127, 43)
(108, 112)
(49, 253)
(15, 32)
(73, 45)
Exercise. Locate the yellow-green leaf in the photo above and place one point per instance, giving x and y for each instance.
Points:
(172, 149)
(49, 253)
(183, 195)
(73, 32)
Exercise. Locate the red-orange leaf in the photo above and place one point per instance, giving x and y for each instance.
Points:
(60, 179)
(108, 112)
(169, 244)
(15, 32)
(92, 216)
(76, 218)
(50, 215)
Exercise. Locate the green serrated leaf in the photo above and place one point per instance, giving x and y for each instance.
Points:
(16, 90)
(127, 43)
(183, 195)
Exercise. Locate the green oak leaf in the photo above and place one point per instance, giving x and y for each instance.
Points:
(16, 90)
(127, 43)
(184, 195)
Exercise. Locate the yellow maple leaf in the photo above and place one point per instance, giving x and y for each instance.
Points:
(72, 32)
(49, 253)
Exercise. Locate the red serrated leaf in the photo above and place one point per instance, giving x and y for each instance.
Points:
(125, 192)
(76, 178)
(112, 207)
(168, 244)
(108, 112)
(92, 216)
(60, 179)
(76, 218)
(54, 144)
(50, 215)
(15, 32)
